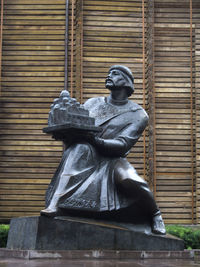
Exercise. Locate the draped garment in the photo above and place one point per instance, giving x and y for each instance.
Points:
(85, 176)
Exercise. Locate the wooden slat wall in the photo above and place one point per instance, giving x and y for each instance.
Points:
(101, 33)
(32, 76)
(173, 111)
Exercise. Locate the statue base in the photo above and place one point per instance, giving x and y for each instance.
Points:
(70, 233)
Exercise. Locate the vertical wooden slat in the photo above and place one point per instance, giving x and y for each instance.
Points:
(72, 49)
(81, 54)
(66, 42)
(143, 84)
(79, 50)
(151, 96)
(197, 118)
(1, 37)
(191, 109)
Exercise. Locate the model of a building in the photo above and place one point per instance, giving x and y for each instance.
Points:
(68, 110)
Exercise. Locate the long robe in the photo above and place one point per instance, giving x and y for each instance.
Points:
(85, 178)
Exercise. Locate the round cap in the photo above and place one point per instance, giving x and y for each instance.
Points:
(124, 69)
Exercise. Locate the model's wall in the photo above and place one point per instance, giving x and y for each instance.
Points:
(101, 34)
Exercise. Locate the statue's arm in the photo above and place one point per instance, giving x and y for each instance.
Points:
(120, 145)
(110, 147)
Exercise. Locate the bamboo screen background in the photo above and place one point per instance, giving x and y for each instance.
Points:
(158, 40)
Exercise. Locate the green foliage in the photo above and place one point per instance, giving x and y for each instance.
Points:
(4, 228)
(190, 235)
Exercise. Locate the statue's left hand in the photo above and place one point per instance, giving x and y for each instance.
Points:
(83, 136)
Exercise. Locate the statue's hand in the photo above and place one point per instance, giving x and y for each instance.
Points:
(90, 137)
(98, 141)
(83, 137)
(110, 147)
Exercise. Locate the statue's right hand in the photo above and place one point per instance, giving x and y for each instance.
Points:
(89, 137)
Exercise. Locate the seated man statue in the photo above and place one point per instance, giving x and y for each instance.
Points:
(94, 174)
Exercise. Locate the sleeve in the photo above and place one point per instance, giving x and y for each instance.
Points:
(122, 143)
(133, 131)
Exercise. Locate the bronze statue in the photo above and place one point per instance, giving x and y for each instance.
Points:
(94, 175)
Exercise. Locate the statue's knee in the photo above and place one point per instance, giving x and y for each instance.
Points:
(118, 179)
(128, 184)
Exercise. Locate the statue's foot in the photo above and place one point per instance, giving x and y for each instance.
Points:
(158, 226)
(49, 212)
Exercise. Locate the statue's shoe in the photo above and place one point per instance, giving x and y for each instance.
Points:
(49, 212)
(158, 226)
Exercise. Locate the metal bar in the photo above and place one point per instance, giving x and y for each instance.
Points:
(1, 37)
(72, 49)
(143, 86)
(191, 110)
(66, 42)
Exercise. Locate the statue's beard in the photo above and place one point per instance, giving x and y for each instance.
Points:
(110, 84)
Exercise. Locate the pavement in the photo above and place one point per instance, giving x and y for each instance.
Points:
(98, 263)
(98, 258)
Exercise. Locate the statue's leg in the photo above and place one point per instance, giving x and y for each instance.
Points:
(52, 210)
(79, 159)
(127, 178)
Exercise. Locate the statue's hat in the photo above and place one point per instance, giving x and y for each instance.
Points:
(124, 69)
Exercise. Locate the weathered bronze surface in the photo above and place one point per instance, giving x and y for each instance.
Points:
(94, 177)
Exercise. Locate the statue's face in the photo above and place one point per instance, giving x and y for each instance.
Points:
(115, 79)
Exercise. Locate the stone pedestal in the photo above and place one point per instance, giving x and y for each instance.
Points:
(70, 233)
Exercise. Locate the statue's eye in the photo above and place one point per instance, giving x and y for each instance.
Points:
(115, 72)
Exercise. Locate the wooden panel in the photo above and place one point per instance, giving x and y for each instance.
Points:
(32, 76)
(173, 111)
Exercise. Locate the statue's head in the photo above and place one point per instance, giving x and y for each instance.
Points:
(120, 77)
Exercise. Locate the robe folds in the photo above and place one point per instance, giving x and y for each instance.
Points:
(85, 178)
